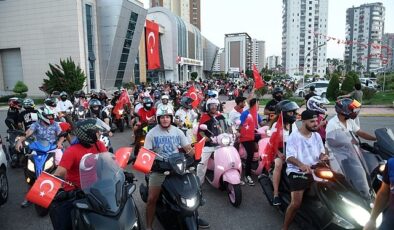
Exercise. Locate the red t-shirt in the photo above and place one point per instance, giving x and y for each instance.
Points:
(71, 158)
(145, 114)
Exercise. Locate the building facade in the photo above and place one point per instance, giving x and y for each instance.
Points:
(219, 61)
(364, 26)
(185, 50)
(188, 10)
(302, 51)
(273, 62)
(258, 53)
(238, 52)
(102, 36)
(388, 52)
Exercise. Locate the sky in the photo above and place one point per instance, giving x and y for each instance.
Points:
(262, 19)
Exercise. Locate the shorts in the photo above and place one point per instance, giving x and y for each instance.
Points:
(300, 181)
(156, 179)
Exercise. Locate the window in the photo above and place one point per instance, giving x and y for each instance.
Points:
(90, 44)
(310, 8)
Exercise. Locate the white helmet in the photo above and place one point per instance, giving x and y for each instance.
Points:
(212, 101)
(317, 104)
(165, 96)
(164, 110)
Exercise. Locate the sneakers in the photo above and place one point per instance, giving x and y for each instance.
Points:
(25, 204)
(203, 223)
(276, 201)
(249, 180)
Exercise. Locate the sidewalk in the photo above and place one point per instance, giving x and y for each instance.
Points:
(368, 111)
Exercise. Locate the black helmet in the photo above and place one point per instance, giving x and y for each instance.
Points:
(186, 102)
(348, 107)
(95, 103)
(63, 96)
(287, 106)
(86, 130)
(277, 90)
(82, 94)
(50, 101)
(147, 102)
(55, 93)
(28, 103)
(117, 93)
(103, 94)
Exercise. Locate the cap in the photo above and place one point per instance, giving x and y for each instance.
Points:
(239, 99)
(308, 114)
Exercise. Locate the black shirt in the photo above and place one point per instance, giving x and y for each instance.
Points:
(309, 95)
(13, 115)
(102, 115)
(26, 119)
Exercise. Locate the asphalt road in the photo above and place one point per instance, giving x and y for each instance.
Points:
(254, 212)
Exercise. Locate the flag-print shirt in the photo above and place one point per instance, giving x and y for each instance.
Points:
(248, 126)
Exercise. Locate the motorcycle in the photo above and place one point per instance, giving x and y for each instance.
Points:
(257, 165)
(79, 113)
(180, 196)
(119, 118)
(107, 200)
(41, 158)
(224, 167)
(341, 195)
(17, 158)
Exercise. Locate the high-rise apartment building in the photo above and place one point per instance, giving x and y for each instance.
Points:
(188, 10)
(258, 53)
(273, 62)
(303, 52)
(364, 26)
(238, 51)
(388, 52)
(218, 66)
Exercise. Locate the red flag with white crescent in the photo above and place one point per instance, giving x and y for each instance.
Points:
(258, 81)
(152, 45)
(122, 101)
(198, 147)
(275, 141)
(44, 190)
(193, 94)
(144, 160)
(122, 156)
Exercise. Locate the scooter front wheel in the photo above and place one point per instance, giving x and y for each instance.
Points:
(234, 194)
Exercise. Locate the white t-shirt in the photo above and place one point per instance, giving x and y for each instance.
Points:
(190, 115)
(306, 150)
(334, 124)
(286, 133)
(63, 106)
(233, 116)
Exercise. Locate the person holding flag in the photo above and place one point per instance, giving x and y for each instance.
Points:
(286, 114)
(250, 121)
(304, 149)
(88, 134)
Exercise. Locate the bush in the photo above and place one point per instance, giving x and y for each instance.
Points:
(368, 93)
(333, 87)
(20, 88)
(261, 92)
(6, 98)
(194, 76)
(267, 77)
(351, 79)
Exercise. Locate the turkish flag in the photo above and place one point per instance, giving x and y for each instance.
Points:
(122, 156)
(258, 81)
(44, 190)
(274, 143)
(122, 101)
(198, 149)
(144, 160)
(152, 45)
(193, 93)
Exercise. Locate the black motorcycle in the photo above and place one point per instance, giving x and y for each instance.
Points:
(17, 157)
(341, 195)
(107, 201)
(180, 195)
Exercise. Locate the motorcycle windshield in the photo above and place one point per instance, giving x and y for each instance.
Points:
(346, 159)
(102, 179)
(42, 146)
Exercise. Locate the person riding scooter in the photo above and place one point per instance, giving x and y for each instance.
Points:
(13, 112)
(185, 115)
(28, 116)
(317, 104)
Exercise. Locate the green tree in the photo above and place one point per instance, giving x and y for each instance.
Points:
(194, 76)
(67, 77)
(20, 88)
(351, 79)
(333, 87)
(249, 73)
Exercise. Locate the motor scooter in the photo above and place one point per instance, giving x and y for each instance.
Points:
(224, 167)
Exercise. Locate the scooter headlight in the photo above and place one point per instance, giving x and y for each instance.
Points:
(80, 113)
(49, 163)
(121, 111)
(225, 141)
(359, 214)
(189, 202)
(27, 143)
(30, 166)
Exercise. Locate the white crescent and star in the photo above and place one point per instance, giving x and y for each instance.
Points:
(51, 184)
(193, 95)
(82, 165)
(145, 155)
(151, 35)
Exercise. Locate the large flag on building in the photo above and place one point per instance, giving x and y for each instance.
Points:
(44, 190)
(152, 45)
(258, 81)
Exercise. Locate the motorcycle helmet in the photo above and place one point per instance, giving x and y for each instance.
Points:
(287, 106)
(82, 94)
(95, 105)
(164, 99)
(103, 95)
(55, 93)
(277, 93)
(63, 96)
(317, 104)
(28, 104)
(51, 102)
(46, 115)
(164, 110)
(156, 94)
(211, 101)
(147, 103)
(348, 107)
(14, 103)
(186, 102)
(94, 95)
(86, 130)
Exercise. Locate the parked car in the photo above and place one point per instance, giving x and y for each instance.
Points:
(3, 174)
(320, 88)
(367, 82)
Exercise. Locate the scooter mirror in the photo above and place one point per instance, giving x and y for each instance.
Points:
(203, 127)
